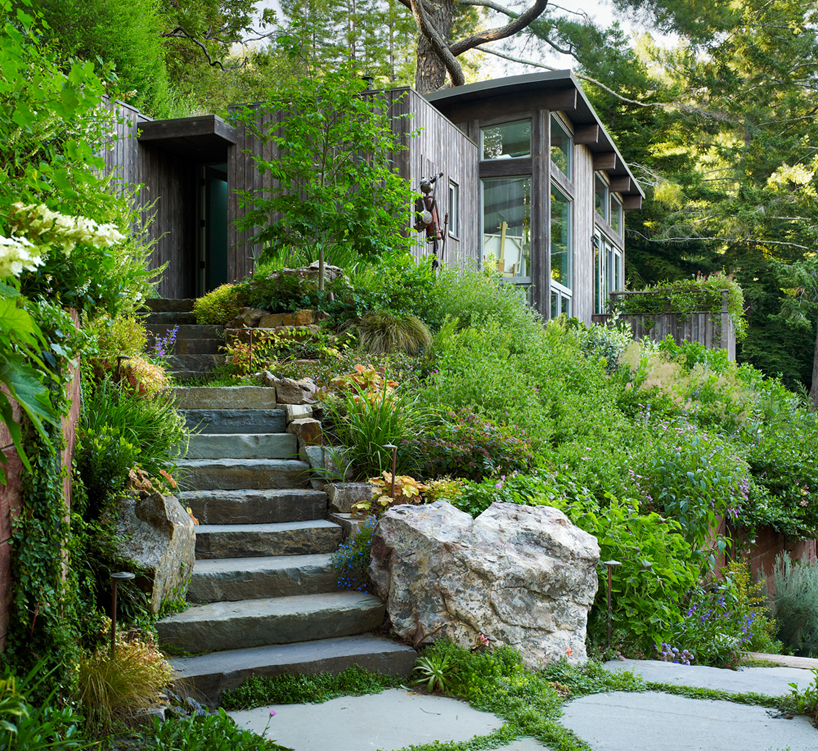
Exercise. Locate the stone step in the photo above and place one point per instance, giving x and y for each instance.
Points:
(255, 506)
(276, 620)
(209, 676)
(259, 540)
(236, 420)
(243, 446)
(198, 346)
(196, 363)
(169, 319)
(231, 579)
(242, 474)
(186, 331)
(225, 397)
(163, 305)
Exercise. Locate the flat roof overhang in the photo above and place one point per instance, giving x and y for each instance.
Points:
(204, 139)
(548, 84)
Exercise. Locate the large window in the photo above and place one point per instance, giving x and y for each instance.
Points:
(560, 147)
(507, 227)
(616, 215)
(609, 272)
(601, 198)
(561, 253)
(507, 141)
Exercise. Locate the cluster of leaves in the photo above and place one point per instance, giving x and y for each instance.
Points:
(796, 604)
(464, 445)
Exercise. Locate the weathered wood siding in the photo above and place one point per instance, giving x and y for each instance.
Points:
(583, 233)
(713, 330)
(438, 147)
(165, 199)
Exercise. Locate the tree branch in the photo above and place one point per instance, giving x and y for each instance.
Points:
(518, 23)
(437, 42)
(580, 76)
(180, 33)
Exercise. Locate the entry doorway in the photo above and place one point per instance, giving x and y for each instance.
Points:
(212, 228)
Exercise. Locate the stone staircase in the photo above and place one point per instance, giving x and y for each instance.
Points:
(263, 592)
(196, 348)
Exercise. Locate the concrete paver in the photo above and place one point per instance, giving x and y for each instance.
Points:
(770, 681)
(391, 720)
(663, 722)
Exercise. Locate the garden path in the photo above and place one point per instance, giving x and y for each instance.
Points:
(649, 721)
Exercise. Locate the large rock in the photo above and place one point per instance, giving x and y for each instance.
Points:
(158, 535)
(524, 576)
(247, 318)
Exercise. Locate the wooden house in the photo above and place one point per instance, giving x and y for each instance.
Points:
(549, 218)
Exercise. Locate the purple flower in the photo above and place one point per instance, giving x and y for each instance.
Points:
(272, 713)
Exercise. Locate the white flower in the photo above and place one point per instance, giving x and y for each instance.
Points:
(17, 255)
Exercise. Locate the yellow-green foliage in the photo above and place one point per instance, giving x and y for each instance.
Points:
(123, 335)
(383, 333)
(113, 689)
(716, 397)
(219, 306)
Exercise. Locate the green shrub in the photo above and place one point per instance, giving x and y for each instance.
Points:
(258, 690)
(364, 422)
(721, 621)
(381, 333)
(796, 604)
(104, 459)
(26, 727)
(214, 732)
(464, 445)
(607, 342)
(220, 306)
(695, 478)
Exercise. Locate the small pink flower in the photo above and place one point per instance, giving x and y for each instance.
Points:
(272, 713)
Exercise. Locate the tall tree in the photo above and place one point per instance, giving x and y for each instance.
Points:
(437, 52)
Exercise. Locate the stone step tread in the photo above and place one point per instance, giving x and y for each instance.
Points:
(212, 674)
(209, 567)
(271, 464)
(272, 606)
(242, 446)
(225, 397)
(196, 359)
(255, 506)
(188, 347)
(187, 330)
(272, 620)
(313, 524)
(260, 540)
(168, 304)
(223, 420)
(258, 578)
(169, 318)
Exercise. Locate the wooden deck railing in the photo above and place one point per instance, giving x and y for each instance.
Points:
(713, 330)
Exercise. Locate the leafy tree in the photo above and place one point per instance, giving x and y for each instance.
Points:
(328, 160)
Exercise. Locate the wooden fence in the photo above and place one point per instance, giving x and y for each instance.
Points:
(713, 330)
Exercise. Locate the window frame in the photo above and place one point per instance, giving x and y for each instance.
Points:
(484, 128)
(454, 209)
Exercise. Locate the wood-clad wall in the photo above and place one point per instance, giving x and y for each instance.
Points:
(166, 199)
(583, 234)
(438, 147)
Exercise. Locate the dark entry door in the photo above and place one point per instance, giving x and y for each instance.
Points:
(214, 235)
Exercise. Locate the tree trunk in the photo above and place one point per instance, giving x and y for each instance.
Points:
(431, 73)
(813, 392)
